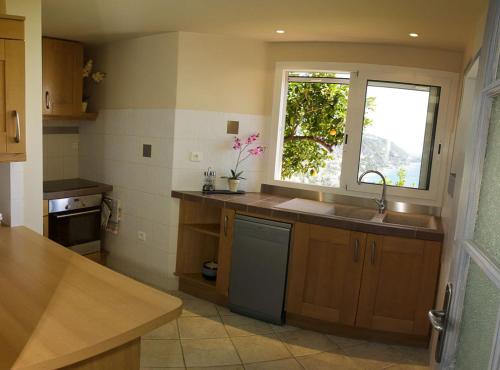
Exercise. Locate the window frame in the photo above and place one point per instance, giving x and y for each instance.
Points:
(360, 75)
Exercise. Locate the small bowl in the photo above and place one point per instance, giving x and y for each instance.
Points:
(209, 270)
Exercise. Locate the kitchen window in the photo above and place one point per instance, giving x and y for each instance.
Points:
(398, 135)
(334, 121)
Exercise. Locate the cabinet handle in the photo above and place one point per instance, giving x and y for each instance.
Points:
(18, 127)
(356, 250)
(47, 100)
(225, 225)
(374, 248)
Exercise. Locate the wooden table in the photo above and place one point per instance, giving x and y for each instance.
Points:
(60, 310)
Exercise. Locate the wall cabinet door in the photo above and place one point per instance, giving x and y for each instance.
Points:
(325, 273)
(399, 283)
(225, 248)
(12, 100)
(62, 77)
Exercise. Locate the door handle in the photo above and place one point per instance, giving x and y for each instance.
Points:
(18, 127)
(79, 213)
(437, 319)
(374, 250)
(356, 250)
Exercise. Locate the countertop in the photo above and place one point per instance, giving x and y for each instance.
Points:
(57, 189)
(269, 205)
(58, 308)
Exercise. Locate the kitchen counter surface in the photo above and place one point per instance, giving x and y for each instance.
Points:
(57, 189)
(311, 212)
(59, 308)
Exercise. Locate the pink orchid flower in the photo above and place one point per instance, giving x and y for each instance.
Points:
(244, 152)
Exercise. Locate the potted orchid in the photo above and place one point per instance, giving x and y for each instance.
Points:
(245, 151)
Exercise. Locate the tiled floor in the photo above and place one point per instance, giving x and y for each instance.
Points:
(209, 336)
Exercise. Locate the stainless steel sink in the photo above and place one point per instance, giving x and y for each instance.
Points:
(406, 219)
(354, 212)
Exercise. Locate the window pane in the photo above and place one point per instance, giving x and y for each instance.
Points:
(488, 218)
(314, 127)
(398, 133)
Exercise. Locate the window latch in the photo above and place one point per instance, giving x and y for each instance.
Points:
(346, 136)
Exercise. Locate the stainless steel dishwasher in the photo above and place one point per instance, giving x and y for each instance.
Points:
(259, 268)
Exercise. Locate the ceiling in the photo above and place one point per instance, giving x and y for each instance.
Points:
(445, 24)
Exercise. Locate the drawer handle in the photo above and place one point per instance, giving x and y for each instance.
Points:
(18, 127)
(437, 319)
(47, 100)
(356, 250)
(225, 225)
(374, 249)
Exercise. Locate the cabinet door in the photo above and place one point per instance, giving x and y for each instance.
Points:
(225, 248)
(399, 284)
(15, 97)
(62, 77)
(325, 273)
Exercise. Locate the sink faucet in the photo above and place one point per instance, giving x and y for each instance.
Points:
(380, 202)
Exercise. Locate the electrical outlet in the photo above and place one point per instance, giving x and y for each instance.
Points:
(196, 156)
(141, 235)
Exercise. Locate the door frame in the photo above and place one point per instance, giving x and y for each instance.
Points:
(488, 87)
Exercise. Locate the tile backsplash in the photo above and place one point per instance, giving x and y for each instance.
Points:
(60, 156)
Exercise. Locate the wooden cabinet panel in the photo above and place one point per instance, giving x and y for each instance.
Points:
(225, 248)
(398, 286)
(15, 99)
(62, 77)
(325, 273)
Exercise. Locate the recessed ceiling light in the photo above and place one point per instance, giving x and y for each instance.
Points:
(413, 34)
(280, 31)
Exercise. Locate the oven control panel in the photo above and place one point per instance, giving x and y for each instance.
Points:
(74, 203)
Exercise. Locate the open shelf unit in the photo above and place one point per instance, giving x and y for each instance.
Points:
(200, 239)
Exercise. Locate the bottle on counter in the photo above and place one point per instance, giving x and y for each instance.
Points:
(209, 180)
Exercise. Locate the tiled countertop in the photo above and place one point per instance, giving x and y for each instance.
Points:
(264, 204)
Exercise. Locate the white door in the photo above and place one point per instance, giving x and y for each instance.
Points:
(472, 337)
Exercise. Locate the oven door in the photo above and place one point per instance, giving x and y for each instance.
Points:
(79, 230)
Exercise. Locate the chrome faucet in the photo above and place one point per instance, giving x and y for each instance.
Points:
(380, 202)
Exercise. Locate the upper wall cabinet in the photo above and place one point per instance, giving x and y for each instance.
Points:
(62, 78)
(12, 90)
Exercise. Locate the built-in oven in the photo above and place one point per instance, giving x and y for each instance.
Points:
(76, 223)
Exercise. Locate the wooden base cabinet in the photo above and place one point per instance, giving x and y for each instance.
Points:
(399, 284)
(374, 282)
(325, 273)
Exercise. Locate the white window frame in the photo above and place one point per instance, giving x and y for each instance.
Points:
(360, 74)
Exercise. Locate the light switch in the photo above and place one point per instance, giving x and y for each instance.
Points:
(196, 156)
(146, 150)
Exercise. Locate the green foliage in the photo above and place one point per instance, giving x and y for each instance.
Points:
(315, 123)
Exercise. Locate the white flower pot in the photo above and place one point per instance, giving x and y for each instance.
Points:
(233, 185)
(84, 106)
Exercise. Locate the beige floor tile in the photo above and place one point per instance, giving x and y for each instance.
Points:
(283, 328)
(407, 367)
(230, 367)
(305, 342)
(209, 352)
(334, 360)
(200, 327)
(259, 348)
(198, 307)
(287, 364)
(413, 355)
(224, 311)
(373, 356)
(161, 353)
(167, 331)
(344, 342)
(238, 326)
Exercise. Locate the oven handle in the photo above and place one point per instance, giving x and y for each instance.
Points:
(79, 213)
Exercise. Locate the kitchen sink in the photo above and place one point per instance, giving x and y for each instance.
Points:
(354, 212)
(414, 220)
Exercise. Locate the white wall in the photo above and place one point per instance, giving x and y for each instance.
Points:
(60, 156)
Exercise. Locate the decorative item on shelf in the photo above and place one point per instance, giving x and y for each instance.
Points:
(209, 270)
(244, 152)
(90, 78)
(209, 180)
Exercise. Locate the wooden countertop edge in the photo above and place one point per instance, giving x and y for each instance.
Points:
(313, 218)
(101, 347)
